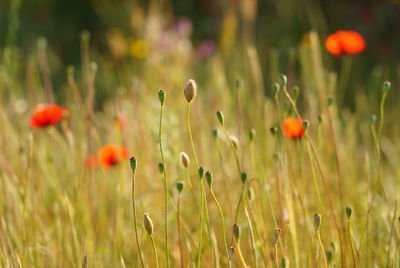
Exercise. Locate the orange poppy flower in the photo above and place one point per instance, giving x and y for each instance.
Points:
(110, 155)
(293, 128)
(47, 115)
(345, 42)
(91, 162)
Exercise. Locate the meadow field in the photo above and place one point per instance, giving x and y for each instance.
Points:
(199, 134)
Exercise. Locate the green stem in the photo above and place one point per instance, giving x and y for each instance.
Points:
(222, 223)
(179, 231)
(134, 218)
(322, 249)
(165, 187)
(351, 244)
(154, 250)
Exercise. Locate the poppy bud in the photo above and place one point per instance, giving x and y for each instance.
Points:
(277, 232)
(273, 130)
(236, 232)
(209, 178)
(239, 84)
(386, 86)
(243, 176)
(305, 124)
(296, 91)
(349, 211)
(148, 224)
(372, 119)
(201, 172)
(220, 117)
(329, 255)
(283, 80)
(284, 262)
(275, 88)
(179, 186)
(330, 100)
(234, 141)
(133, 163)
(160, 167)
(190, 90)
(317, 220)
(320, 118)
(185, 159)
(231, 251)
(215, 133)
(161, 96)
(275, 156)
(252, 134)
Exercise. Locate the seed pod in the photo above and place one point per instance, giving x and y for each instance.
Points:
(148, 224)
(161, 96)
(190, 90)
(133, 163)
(185, 159)
(317, 220)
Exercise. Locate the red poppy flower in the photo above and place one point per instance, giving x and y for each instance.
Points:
(91, 162)
(293, 128)
(46, 115)
(110, 155)
(345, 42)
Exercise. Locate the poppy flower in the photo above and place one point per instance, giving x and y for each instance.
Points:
(293, 128)
(91, 162)
(345, 42)
(110, 155)
(47, 115)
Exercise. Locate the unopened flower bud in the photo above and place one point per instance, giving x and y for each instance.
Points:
(234, 141)
(133, 163)
(386, 86)
(209, 178)
(283, 80)
(185, 159)
(215, 133)
(372, 119)
(349, 211)
(305, 124)
(190, 90)
(296, 91)
(161, 96)
(330, 100)
(317, 220)
(320, 118)
(179, 186)
(243, 177)
(236, 232)
(148, 224)
(220, 117)
(252, 134)
(275, 88)
(273, 130)
(239, 83)
(285, 262)
(160, 167)
(201, 172)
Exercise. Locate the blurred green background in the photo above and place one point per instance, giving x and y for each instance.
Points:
(278, 27)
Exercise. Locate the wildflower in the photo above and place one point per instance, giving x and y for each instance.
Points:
(190, 90)
(110, 155)
(205, 49)
(293, 128)
(345, 42)
(91, 161)
(46, 115)
(139, 49)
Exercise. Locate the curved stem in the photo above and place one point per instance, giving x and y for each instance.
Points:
(165, 186)
(240, 253)
(222, 223)
(322, 249)
(135, 220)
